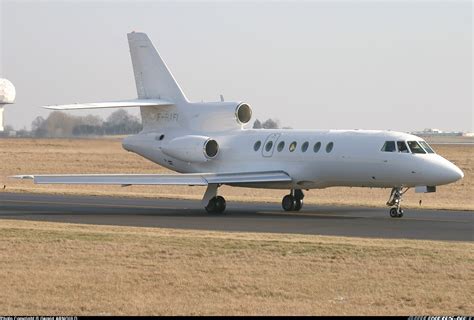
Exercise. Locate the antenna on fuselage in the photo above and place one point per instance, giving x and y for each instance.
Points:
(222, 98)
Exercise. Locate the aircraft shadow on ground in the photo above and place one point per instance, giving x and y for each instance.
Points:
(12, 211)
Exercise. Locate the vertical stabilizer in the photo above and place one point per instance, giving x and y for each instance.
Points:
(152, 76)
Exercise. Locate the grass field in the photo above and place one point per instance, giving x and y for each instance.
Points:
(50, 268)
(61, 156)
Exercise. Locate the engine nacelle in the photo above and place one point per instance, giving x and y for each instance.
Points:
(192, 148)
(218, 116)
(243, 113)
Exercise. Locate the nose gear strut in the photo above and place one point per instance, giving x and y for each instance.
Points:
(395, 202)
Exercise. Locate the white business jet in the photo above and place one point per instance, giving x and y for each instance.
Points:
(208, 145)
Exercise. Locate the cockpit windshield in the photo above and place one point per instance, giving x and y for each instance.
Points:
(402, 147)
(426, 146)
(415, 147)
(389, 146)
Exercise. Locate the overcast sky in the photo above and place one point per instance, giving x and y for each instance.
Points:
(400, 65)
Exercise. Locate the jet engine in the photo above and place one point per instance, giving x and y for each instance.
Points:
(243, 113)
(218, 116)
(192, 148)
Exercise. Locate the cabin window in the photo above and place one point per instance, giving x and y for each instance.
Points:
(389, 146)
(269, 146)
(281, 146)
(329, 147)
(293, 146)
(316, 147)
(257, 145)
(426, 146)
(415, 147)
(305, 146)
(402, 147)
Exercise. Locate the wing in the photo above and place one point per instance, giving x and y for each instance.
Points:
(112, 104)
(194, 179)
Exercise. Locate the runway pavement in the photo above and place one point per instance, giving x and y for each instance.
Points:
(239, 217)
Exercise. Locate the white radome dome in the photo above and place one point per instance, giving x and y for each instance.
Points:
(7, 92)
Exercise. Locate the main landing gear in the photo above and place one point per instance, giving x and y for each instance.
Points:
(216, 205)
(213, 203)
(293, 201)
(395, 202)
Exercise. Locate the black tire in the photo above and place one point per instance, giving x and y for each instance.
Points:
(298, 204)
(288, 203)
(220, 204)
(394, 213)
(400, 213)
(211, 206)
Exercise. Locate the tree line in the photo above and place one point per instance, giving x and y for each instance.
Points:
(60, 124)
(120, 122)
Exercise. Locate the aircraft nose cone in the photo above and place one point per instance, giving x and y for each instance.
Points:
(457, 173)
(452, 173)
(441, 171)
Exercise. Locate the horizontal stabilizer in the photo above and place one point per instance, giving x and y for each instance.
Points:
(195, 179)
(112, 104)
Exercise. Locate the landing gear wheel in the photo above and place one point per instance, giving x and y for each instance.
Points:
(400, 213)
(211, 206)
(216, 205)
(394, 213)
(288, 203)
(220, 204)
(298, 204)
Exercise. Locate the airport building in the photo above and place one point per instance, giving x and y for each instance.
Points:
(436, 132)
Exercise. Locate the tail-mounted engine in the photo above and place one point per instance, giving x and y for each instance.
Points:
(243, 113)
(218, 116)
(192, 148)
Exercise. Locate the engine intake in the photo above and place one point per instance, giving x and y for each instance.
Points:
(211, 148)
(243, 113)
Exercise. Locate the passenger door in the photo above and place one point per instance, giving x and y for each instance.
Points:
(269, 145)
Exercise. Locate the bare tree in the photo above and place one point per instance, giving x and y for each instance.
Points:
(91, 120)
(271, 124)
(38, 127)
(60, 124)
(257, 124)
(121, 122)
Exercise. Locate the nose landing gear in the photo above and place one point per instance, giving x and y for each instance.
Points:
(395, 202)
(293, 201)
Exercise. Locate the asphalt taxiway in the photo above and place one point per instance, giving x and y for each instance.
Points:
(239, 217)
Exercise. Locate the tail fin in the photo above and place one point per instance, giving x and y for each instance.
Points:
(152, 76)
